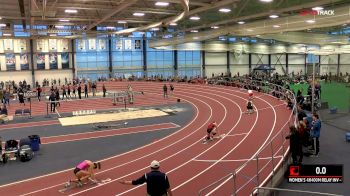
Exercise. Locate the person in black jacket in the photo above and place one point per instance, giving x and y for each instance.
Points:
(157, 181)
(86, 91)
(52, 100)
(295, 145)
(79, 91)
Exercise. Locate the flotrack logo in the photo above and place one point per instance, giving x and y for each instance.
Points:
(317, 12)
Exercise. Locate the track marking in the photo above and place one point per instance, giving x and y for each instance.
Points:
(275, 106)
(236, 160)
(233, 135)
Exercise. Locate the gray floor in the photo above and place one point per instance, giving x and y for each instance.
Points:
(60, 156)
(333, 150)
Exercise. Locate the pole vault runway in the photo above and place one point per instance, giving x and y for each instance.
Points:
(189, 164)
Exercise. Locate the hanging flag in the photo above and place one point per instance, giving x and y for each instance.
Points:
(102, 44)
(65, 60)
(92, 44)
(40, 61)
(118, 44)
(24, 62)
(53, 44)
(8, 44)
(53, 60)
(10, 62)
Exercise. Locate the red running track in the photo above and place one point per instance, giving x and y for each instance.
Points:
(189, 164)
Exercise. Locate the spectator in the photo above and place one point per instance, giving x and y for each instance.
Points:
(104, 90)
(79, 91)
(157, 182)
(295, 145)
(165, 91)
(86, 91)
(94, 86)
(7, 97)
(1, 95)
(315, 134)
(52, 100)
(39, 90)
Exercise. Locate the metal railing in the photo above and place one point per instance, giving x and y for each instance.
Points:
(276, 191)
(260, 168)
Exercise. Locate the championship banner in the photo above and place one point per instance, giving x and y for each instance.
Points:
(137, 44)
(65, 60)
(81, 44)
(39, 44)
(53, 44)
(118, 44)
(127, 44)
(102, 44)
(23, 44)
(10, 62)
(40, 61)
(24, 62)
(65, 44)
(53, 60)
(8, 44)
(92, 44)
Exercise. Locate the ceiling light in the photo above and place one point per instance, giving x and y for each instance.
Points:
(195, 37)
(138, 14)
(71, 11)
(52, 35)
(344, 25)
(249, 30)
(310, 21)
(64, 20)
(266, 1)
(215, 27)
(2, 25)
(241, 22)
(317, 8)
(59, 26)
(110, 27)
(173, 24)
(6, 34)
(194, 31)
(276, 26)
(274, 16)
(0, 18)
(195, 18)
(162, 4)
(225, 10)
(155, 29)
(121, 22)
(258, 35)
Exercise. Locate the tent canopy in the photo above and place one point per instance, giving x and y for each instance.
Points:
(263, 68)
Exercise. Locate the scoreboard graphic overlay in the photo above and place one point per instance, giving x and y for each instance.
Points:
(315, 174)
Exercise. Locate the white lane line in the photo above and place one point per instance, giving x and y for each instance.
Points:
(275, 106)
(233, 135)
(236, 160)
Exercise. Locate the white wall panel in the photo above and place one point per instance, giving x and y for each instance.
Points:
(16, 76)
(240, 59)
(259, 59)
(345, 59)
(53, 74)
(296, 59)
(344, 69)
(216, 69)
(217, 58)
(242, 69)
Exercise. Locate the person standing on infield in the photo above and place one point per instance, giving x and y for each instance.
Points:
(157, 181)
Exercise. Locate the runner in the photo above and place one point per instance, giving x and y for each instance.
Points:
(211, 131)
(250, 109)
(84, 172)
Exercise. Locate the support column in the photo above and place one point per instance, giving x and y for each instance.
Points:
(73, 59)
(32, 62)
(176, 72)
(110, 67)
(305, 64)
(203, 64)
(250, 62)
(269, 59)
(287, 63)
(338, 66)
(228, 62)
(144, 53)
